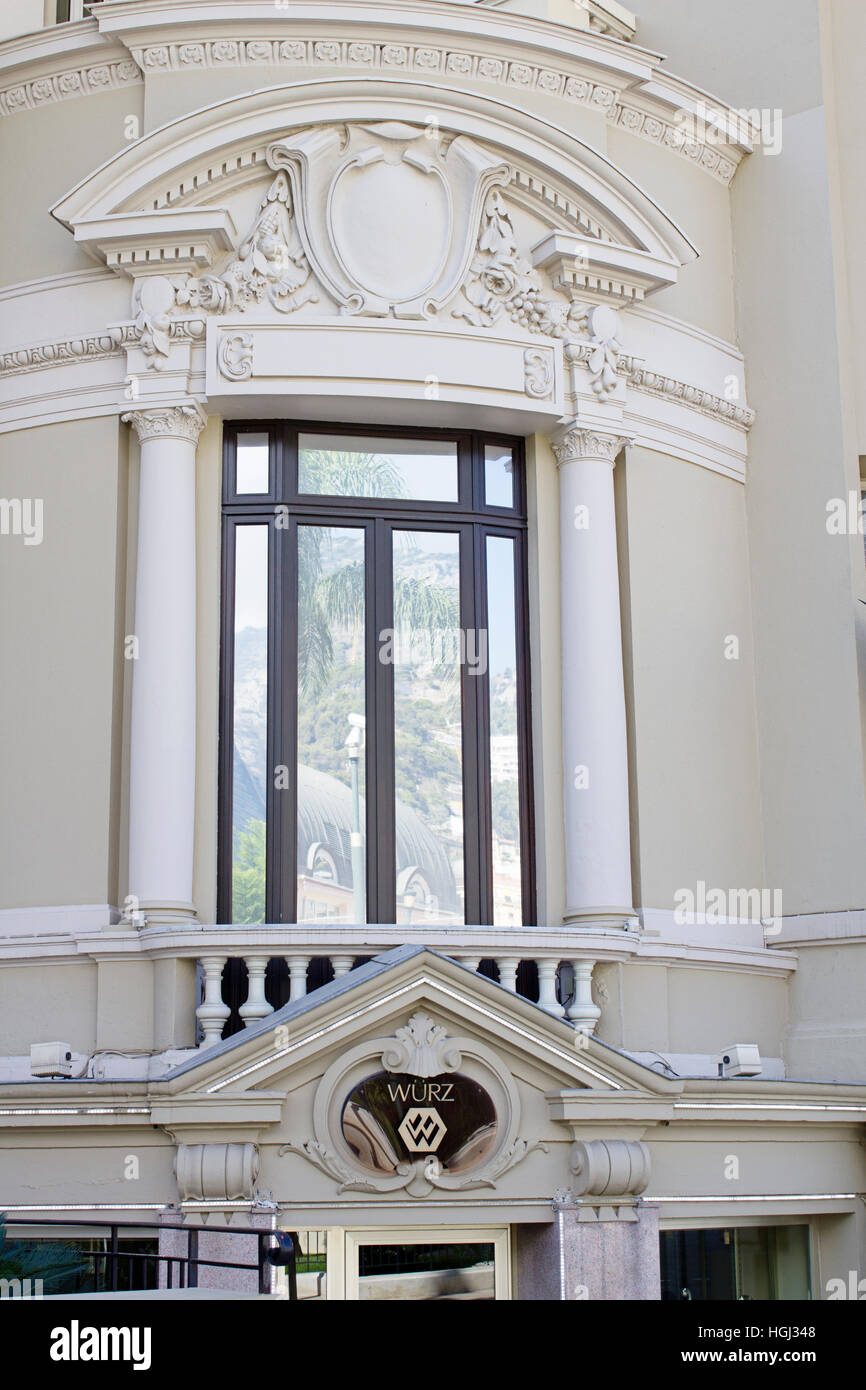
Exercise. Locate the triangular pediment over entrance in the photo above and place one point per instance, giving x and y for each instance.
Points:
(410, 1075)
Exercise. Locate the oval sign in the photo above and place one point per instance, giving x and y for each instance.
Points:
(392, 1118)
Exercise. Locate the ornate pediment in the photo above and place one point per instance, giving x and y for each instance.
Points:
(419, 1112)
(388, 211)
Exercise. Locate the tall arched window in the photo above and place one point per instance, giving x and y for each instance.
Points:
(375, 696)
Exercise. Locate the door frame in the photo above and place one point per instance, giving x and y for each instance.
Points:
(344, 1244)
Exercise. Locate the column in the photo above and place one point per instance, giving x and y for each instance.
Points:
(597, 842)
(162, 744)
(603, 1241)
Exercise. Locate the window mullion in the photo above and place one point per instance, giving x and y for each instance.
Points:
(282, 725)
(482, 695)
(226, 819)
(381, 805)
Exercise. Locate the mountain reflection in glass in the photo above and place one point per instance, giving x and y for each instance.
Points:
(342, 465)
(457, 1124)
(504, 784)
(250, 697)
(331, 777)
(428, 736)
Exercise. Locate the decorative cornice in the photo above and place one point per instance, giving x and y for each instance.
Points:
(112, 343)
(578, 444)
(642, 379)
(26, 359)
(651, 126)
(357, 54)
(167, 422)
(67, 83)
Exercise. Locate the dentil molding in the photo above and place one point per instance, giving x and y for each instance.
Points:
(66, 82)
(465, 62)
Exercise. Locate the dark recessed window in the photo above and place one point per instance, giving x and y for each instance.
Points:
(375, 705)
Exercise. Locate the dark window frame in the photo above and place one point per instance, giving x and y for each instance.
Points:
(378, 518)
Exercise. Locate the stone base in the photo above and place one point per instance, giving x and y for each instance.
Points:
(216, 1241)
(591, 1251)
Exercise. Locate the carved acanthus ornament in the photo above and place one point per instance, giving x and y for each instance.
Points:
(501, 280)
(270, 263)
(161, 422)
(422, 1048)
(579, 444)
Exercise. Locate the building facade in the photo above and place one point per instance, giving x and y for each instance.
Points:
(433, 575)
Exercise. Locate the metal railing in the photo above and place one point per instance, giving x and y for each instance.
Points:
(274, 1248)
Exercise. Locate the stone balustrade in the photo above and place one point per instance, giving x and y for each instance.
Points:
(552, 967)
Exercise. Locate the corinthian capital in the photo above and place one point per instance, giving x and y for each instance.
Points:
(579, 444)
(167, 422)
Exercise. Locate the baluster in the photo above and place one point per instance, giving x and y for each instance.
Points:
(471, 962)
(583, 1013)
(341, 965)
(547, 987)
(256, 1005)
(298, 967)
(212, 1012)
(507, 966)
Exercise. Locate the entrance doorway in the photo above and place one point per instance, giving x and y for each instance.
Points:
(396, 1265)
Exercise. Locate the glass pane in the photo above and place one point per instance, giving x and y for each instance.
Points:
(249, 786)
(253, 473)
(498, 476)
(505, 794)
(359, 466)
(332, 855)
(428, 739)
(392, 1118)
(422, 1271)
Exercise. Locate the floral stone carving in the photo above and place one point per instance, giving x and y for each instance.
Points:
(270, 263)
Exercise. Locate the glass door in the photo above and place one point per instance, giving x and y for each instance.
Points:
(451, 1264)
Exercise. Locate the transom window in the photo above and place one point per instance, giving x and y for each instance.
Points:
(375, 706)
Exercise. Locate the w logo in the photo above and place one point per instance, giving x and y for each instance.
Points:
(422, 1130)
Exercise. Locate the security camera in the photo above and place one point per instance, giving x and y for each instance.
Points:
(51, 1059)
(740, 1059)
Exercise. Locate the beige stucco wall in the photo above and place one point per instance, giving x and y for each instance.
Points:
(688, 1009)
(58, 733)
(44, 1002)
(53, 148)
(826, 1034)
(700, 206)
(22, 17)
(695, 801)
(802, 601)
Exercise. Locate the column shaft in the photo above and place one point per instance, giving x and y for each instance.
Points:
(598, 864)
(162, 744)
